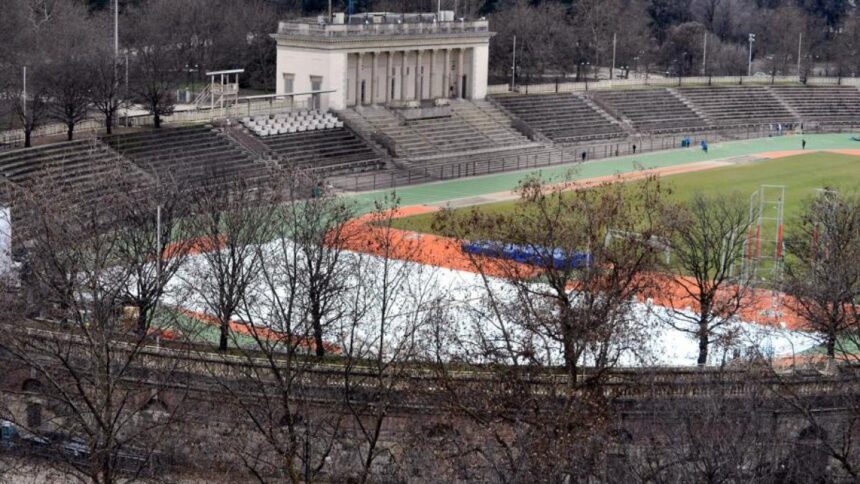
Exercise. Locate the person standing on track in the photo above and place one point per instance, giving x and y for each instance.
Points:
(803, 144)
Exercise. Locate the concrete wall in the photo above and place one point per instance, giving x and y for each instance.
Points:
(304, 63)
(480, 62)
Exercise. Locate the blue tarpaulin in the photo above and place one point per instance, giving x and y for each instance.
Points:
(537, 256)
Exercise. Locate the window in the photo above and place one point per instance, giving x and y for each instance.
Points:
(34, 415)
(288, 83)
(316, 85)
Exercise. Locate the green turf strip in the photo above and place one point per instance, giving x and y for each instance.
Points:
(801, 175)
(482, 185)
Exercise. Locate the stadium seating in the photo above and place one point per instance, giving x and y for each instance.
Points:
(471, 127)
(834, 104)
(652, 110)
(333, 150)
(292, 122)
(737, 105)
(74, 164)
(192, 156)
(562, 117)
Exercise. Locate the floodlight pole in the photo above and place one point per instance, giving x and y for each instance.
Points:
(514, 64)
(116, 28)
(158, 242)
(749, 64)
(614, 45)
(799, 47)
(24, 97)
(705, 55)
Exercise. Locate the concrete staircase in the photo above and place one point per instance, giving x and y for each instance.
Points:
(785, 104)
(472, 127)
(690, 105)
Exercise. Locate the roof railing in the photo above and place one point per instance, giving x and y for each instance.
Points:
(307, 28)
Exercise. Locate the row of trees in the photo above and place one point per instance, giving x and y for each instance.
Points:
(74, 70)
(324, 344)
(678, 38)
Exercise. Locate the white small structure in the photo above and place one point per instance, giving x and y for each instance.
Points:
(8, 267)
(222, 91)
(383, 58)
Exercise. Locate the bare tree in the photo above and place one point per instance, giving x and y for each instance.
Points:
(32, 109)
(106, 95)
(290, 434)
(321, 233)
(706, 281)
(84, 364)
(231, 219)
(571, 305)
(66, 78)
(820, 276)
(156, 60)
(391, 304)
(154, 240)
(68, 90)
(569, 234)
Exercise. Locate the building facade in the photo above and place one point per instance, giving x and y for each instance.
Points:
(383, 58)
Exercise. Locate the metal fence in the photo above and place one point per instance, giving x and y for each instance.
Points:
(569, 153)
(15, 137)
(644, 82)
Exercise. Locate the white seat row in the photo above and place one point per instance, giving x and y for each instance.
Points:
(291, 123)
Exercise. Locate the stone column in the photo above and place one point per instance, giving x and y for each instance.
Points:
(459, 82)
(418, 92)
(358, 79)
(388, 67)
(446, 74)
(403, 76)
(430, 77)
(373, 78)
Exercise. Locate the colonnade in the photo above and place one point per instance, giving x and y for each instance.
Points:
(417, 65)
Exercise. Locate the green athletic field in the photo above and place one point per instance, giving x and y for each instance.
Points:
(801, 175)
(481, 185)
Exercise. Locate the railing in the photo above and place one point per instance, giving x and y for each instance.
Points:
(417, 383)
(491, 163)
(643, 82)
(15, 137)
(344, 30)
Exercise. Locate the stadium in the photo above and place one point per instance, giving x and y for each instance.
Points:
(389, 249)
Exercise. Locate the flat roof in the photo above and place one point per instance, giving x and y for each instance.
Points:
(228, 71)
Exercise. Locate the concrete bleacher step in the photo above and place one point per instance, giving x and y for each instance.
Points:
(194, 155)
(562, 118)
(326, 151)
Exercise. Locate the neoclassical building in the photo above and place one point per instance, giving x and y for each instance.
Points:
(383, 58)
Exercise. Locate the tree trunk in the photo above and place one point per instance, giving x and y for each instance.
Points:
(142, 321)
(28, 138)
(109, 123)
(318, 339)
(703, 346)
(225, 327)
(831, 345)
(70, 131)
(156, 118)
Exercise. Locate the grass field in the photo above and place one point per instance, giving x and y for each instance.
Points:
(801, 175)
